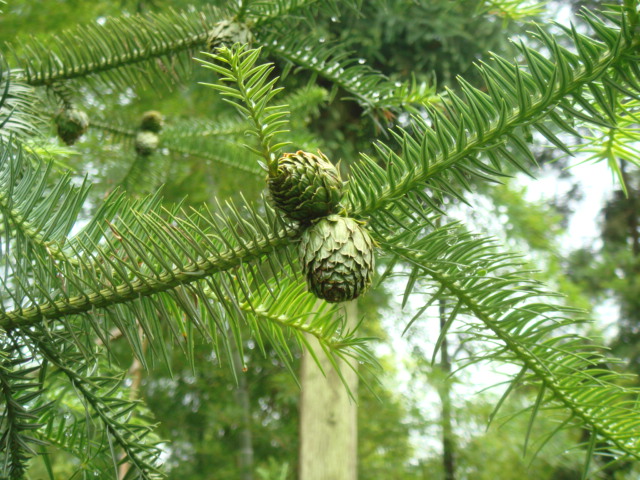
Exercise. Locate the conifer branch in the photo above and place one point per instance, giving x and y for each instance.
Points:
(250, 90)
(282, 308)
(108, 50)
(137, 265)
(17, 419)
(17, 107)
(370, 88)
(295, 309)
(44, 224)
(520, 317)
(99, 395)
(264, 13)
(177, 142)
(142, 288)
(487, 123)
(615, 143)
(419, 168)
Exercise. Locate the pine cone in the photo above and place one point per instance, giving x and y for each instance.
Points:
(305, 186)
(72, 124)
(152, 121)
(146, 143)
(337, 257)
(226, 33)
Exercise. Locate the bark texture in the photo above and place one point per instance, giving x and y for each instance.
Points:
(245, 455)
(328, 417)
(448, 442)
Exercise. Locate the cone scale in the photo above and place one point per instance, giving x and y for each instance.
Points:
(305, 186)
(336, 254)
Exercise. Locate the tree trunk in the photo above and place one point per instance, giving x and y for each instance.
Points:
(445, 398)
(135, 374)
(632, 213)
(245, 455)
(328, 417)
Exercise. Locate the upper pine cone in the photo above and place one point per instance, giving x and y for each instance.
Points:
(152, 121)
(72, 124)
(337, 257)
(305, 186)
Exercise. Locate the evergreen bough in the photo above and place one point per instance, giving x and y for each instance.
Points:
(136, 265)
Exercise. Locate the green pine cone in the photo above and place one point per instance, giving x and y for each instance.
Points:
(72, 124)
(146, 143)
(226, 33)
(305, 186)
(152, 121)
(337, 257)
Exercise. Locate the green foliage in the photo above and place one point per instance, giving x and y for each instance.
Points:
(103, 398)
(226, 271)
(17, 117)
(503, 445)
(514, 9)
(435, 40)
(18, 416)
(494, 123)
(129, 262)
(615, 143)
(204, 422)
(369, 88)
(108, 53)
(530, 330)
(252, 95)
(385, 422)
